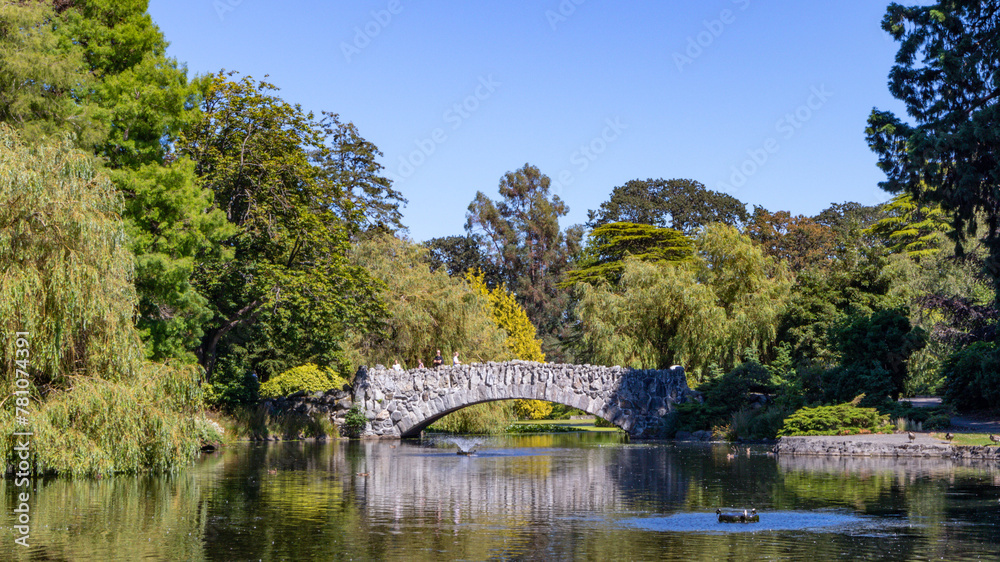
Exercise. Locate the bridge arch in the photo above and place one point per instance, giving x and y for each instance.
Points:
(403, 403)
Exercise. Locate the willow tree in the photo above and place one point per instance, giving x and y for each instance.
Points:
(66, 280)
(65, 264)
(709, 310)
(428, 311)
(425, 310)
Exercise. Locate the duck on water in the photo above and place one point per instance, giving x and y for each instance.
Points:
(744, 517)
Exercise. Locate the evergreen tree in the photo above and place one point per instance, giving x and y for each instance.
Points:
(684, 205)
(524, 241)
(609, 244)
(945, 74)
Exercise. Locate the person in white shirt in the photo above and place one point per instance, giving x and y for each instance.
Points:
(454, 360)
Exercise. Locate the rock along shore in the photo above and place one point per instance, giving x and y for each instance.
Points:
(881, 445)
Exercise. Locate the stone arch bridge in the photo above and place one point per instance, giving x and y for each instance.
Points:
(403, 403)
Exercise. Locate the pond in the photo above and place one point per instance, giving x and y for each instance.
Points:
(575, 496)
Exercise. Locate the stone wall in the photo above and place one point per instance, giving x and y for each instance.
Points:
(403, 403)
(333, 404)
(881, 446)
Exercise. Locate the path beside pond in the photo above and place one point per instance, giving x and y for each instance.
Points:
(986, 422)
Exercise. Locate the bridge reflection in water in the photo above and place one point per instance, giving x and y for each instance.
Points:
(554, 497)
(429, 480)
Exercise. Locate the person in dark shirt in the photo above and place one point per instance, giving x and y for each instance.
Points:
(438, 360)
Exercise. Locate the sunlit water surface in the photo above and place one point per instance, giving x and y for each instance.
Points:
(581, 496)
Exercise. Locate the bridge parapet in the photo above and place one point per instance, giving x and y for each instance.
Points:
(403, 403)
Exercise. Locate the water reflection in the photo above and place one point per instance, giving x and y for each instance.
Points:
(562, 497)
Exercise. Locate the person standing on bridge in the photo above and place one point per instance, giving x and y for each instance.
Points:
(438, 360)
(454, 360)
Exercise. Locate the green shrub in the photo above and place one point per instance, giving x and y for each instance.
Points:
(842, 419)
(486, 418)
(940, 421)
(355, 422)
(973, 377)
(307, 377)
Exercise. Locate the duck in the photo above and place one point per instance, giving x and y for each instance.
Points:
(995, 438)
(949, 436)
(911, 435)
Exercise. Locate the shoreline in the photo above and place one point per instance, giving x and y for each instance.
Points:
(882, 445)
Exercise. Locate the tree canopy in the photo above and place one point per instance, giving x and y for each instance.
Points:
(945, 74)
(698, 313)
(609, 244)
(684, 205)
(288, 295)
(524, 241)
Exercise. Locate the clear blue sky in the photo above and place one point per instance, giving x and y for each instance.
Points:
(765, 100)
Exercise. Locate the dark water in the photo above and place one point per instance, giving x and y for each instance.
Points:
(552, 497)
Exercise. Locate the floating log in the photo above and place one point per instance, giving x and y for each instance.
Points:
(744, 517)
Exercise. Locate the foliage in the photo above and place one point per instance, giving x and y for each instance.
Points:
(658, 315)
(686, 204)
(142, 95)
(910, 228)
(307, 377)
(524, 241)
(511, 318)
(873, 351)
(65, 267)
(972, 377)
(145, 423)
(857, 283)
(708, 311)
(729, 401)
(425, 311)
(521, 340)
(355, 421)
(486, 418)
(173, 225)
(842, 419)
(609, 244)
(945, 74)
(288, 295)
(461, 254)
(800, 241)
(42, 77)
(532, 409)
(350, 162)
